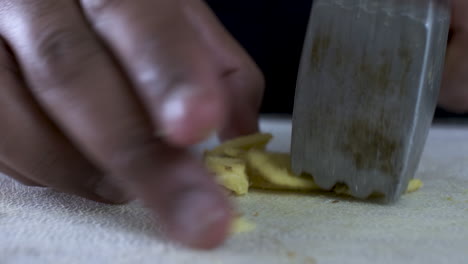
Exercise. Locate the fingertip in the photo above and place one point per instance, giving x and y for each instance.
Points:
(200, 219)
(190, 205)
(176, 187)
(190, 116)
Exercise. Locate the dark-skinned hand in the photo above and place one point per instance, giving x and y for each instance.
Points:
(102, 98)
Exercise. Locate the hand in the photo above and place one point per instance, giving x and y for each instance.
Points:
(454, 91)
(101, 99)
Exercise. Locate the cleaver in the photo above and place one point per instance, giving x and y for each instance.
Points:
(367, 91)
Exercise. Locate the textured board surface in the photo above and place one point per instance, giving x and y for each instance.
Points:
(429, 226)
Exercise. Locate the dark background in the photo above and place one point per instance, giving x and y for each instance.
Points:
(272, 32)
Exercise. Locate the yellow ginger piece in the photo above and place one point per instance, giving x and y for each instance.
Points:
(414, 185)
(241, 225)
(242, 162)
(254, 141)
(269, 170)
(230, 173)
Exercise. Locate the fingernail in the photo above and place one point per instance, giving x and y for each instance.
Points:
(200, 219)
(110, 192)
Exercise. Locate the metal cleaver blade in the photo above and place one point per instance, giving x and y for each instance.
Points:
(367, 91)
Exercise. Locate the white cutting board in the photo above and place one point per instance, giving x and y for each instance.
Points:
(430, 226)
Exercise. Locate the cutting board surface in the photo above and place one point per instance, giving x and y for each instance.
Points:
(429, 226)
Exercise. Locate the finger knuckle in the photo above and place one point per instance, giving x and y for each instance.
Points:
(63, 55)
